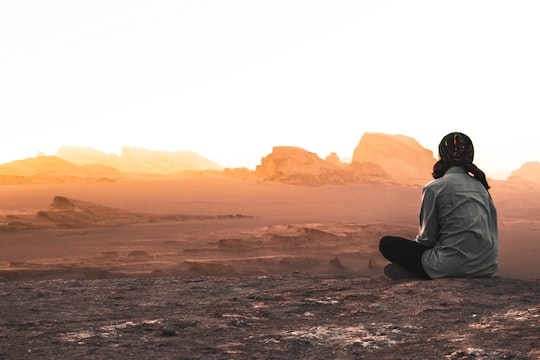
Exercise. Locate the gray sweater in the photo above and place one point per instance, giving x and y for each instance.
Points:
(458, 221)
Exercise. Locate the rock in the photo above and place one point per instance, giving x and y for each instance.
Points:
(167, 331)
(529, 172)
(400, 156)
(280, 316)
(333, 158)
(296, 166)
(139, 160)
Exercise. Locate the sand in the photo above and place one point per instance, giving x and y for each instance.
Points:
(223, 226)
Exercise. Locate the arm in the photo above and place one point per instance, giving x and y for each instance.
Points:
(429, 226)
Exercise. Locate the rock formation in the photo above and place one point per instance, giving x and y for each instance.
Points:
(400, 156)
(528, 172)
(87, 155)
(378, 158)
(293, 165)
(333, 158)
(41, 168)
(134, 159)
(139, 160)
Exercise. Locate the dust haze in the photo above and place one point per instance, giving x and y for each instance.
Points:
(83, 213)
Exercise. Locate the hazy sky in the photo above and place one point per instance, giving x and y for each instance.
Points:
(231, 79)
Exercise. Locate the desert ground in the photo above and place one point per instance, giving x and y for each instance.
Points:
(211, 225)
(224, 268)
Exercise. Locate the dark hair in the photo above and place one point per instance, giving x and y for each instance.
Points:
(456, 149)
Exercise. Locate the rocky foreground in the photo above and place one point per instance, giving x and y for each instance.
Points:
(285, 316)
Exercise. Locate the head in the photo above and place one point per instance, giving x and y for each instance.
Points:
(456, 149)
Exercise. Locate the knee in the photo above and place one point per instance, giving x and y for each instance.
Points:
(383, 244)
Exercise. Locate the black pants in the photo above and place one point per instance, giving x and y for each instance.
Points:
(404, 252)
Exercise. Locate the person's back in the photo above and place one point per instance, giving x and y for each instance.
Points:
(458, 234)
(465, 240)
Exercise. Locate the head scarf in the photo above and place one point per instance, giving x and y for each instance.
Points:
(456, 149)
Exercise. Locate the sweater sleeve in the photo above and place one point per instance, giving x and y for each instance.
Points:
(429, 226)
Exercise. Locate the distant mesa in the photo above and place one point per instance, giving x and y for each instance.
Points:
(40, 164)
(239, 173)
(82, 164)
(294, 165)
(134, 159)
(378, 158)
(400, 156)
(528, 172)
(333, 158)
(45, 169)
(140, 160)
(88, 156)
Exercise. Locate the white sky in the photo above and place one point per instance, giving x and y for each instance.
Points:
(231, 79)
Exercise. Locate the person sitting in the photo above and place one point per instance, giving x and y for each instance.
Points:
(458, 234)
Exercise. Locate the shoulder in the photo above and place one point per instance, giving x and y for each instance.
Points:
(435, 185)
(455, 174)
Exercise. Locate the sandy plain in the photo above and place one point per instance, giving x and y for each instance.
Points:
(212, 225)
(218, 268)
